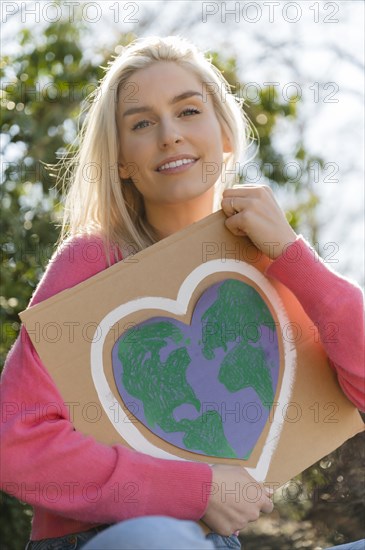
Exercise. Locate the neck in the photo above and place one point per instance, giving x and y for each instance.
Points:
(167, 219)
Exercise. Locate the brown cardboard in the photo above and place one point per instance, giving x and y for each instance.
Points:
(317, 416)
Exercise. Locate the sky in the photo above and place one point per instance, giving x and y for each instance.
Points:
(317, 45)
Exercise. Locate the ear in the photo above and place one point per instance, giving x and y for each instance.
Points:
(123, 171)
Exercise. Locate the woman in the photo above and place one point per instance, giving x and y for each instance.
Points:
(161, 136)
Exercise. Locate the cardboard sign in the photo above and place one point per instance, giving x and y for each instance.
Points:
(188, 351)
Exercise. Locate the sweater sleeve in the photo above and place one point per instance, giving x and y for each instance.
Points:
(49, 464)
(335, 305)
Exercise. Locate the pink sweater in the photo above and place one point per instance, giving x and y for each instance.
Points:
(72, 481)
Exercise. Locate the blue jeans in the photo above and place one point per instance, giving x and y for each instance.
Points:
(151, 533)
(159, 533)
(358, 545)
(73, 541)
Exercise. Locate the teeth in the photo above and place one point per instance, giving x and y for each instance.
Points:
(176, 163)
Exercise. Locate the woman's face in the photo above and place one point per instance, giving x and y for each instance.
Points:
(164, 117)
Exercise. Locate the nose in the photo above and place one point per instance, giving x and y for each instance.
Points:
(169, 133)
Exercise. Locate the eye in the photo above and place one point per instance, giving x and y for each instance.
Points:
(140, 124)
(186, 112)
(191, 111)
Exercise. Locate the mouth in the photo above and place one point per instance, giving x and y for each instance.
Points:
(176, 166)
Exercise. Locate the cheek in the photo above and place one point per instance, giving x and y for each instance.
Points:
(131, 152)
(214, 135)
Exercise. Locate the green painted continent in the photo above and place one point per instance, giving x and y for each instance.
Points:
(162, 387)
(245, 366)
(238, 312)
(206, 434)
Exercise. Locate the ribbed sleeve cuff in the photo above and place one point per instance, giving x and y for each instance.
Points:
(179, 489)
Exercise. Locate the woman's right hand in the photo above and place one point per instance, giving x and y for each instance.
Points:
(235, 499)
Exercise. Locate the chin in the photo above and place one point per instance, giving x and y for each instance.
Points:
(189, 192)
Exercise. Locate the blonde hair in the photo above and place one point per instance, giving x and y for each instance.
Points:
(97, 200)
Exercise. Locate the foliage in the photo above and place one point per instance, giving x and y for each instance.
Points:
(43, 88)
(41, 94)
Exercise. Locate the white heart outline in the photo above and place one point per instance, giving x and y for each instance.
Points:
(110, 404)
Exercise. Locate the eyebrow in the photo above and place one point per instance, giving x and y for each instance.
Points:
(176, 99)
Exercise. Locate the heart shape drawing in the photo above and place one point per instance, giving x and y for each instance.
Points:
(206, 387)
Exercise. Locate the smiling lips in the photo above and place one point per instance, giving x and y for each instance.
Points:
(176, 165)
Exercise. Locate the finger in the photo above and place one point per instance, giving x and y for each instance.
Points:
(229, 207)
(267, 505)
(235, 229)
(232, 205)
(235, 223)
(246, 189)
(258, 193)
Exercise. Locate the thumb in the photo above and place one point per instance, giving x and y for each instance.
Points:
(233, 224)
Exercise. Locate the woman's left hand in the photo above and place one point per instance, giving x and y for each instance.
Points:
(253, 212)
